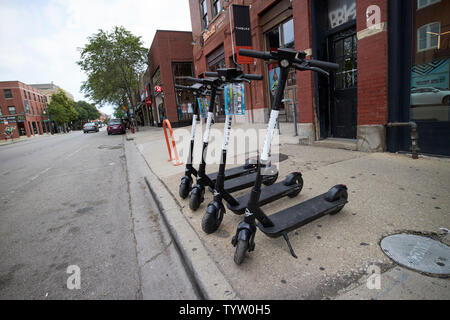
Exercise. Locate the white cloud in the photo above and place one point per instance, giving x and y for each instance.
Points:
(39, 38)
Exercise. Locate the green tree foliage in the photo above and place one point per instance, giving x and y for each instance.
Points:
(112, 62)
(119, 113)
(61, 109)
(86, 111)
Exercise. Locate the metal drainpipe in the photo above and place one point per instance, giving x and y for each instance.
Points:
(414, 136)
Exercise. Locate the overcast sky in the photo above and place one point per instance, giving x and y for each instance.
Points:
(39, 38)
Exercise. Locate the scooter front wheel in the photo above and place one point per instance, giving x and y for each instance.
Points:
(185, 187)
(213, 218)
(196, 199)
(241, 250)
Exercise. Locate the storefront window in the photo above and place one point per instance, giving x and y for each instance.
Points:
(282, 36)
(430, 90)
(216, 60)
(184, 99)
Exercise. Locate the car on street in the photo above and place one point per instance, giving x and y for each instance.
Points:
(430, 96)
(115, 126)
(90, 126)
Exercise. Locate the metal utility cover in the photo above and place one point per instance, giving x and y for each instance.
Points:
(418, 253)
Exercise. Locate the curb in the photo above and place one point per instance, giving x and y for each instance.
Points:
(209, 279)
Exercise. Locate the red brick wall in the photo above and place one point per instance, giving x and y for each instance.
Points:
(305, 80)
(372, 68)
(169, 47)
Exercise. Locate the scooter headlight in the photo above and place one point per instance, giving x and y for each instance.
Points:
(284, 63)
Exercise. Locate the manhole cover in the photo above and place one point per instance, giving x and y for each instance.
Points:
(418, 253)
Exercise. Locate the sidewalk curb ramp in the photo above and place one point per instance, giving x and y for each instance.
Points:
(208, 277)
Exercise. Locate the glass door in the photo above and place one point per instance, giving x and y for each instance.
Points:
(344, 105)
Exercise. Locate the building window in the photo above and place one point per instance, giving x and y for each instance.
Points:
(204, 14)
(29, 96)
(425, 3)
(215, 5)
(1, 112)
(24, 94)
(34, 97)
(27, 107)
(428, 36)
(8, 93)
(12, 110)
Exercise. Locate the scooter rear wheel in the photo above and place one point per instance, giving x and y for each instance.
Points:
(292, 179)
(343, 194)
(240, 252)
(271, 180)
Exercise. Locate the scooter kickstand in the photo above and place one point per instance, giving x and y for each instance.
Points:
(285, 236)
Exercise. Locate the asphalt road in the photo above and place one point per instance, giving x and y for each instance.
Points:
(65, 201)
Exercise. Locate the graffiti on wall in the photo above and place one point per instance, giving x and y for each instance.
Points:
(340, 12)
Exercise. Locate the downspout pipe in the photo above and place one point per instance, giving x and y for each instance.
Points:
(414, 136)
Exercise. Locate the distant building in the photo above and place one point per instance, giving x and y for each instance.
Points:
(170, 57)
(23, 108)
(48, 89)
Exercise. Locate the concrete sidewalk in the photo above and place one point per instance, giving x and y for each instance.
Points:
(388, 194)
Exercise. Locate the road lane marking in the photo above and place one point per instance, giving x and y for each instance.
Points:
(39, 174)
(73, 153)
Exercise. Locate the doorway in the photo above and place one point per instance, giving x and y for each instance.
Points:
(343, 111)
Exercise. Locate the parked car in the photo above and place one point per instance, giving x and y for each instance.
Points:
(430, 96)
(115, 126)
(90, 126)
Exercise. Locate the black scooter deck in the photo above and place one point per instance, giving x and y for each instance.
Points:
(240, 183)
(294, 217)
(232, 173)
(268, 194)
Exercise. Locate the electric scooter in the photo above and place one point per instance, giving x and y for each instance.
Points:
(198, 90)
(280, 223)
(215, 210)
(237, 178)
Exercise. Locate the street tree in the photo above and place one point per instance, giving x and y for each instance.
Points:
(112, 61)
(61, 109)
(86, 112)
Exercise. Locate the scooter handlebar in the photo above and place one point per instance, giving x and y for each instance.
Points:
(180, 87)
(255, 54)
(252, 76)
(211, 74)
(322, 64)
(192, 79)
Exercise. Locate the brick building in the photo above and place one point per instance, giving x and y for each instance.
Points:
(24, 108)
(369, 39)
(169, 57)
